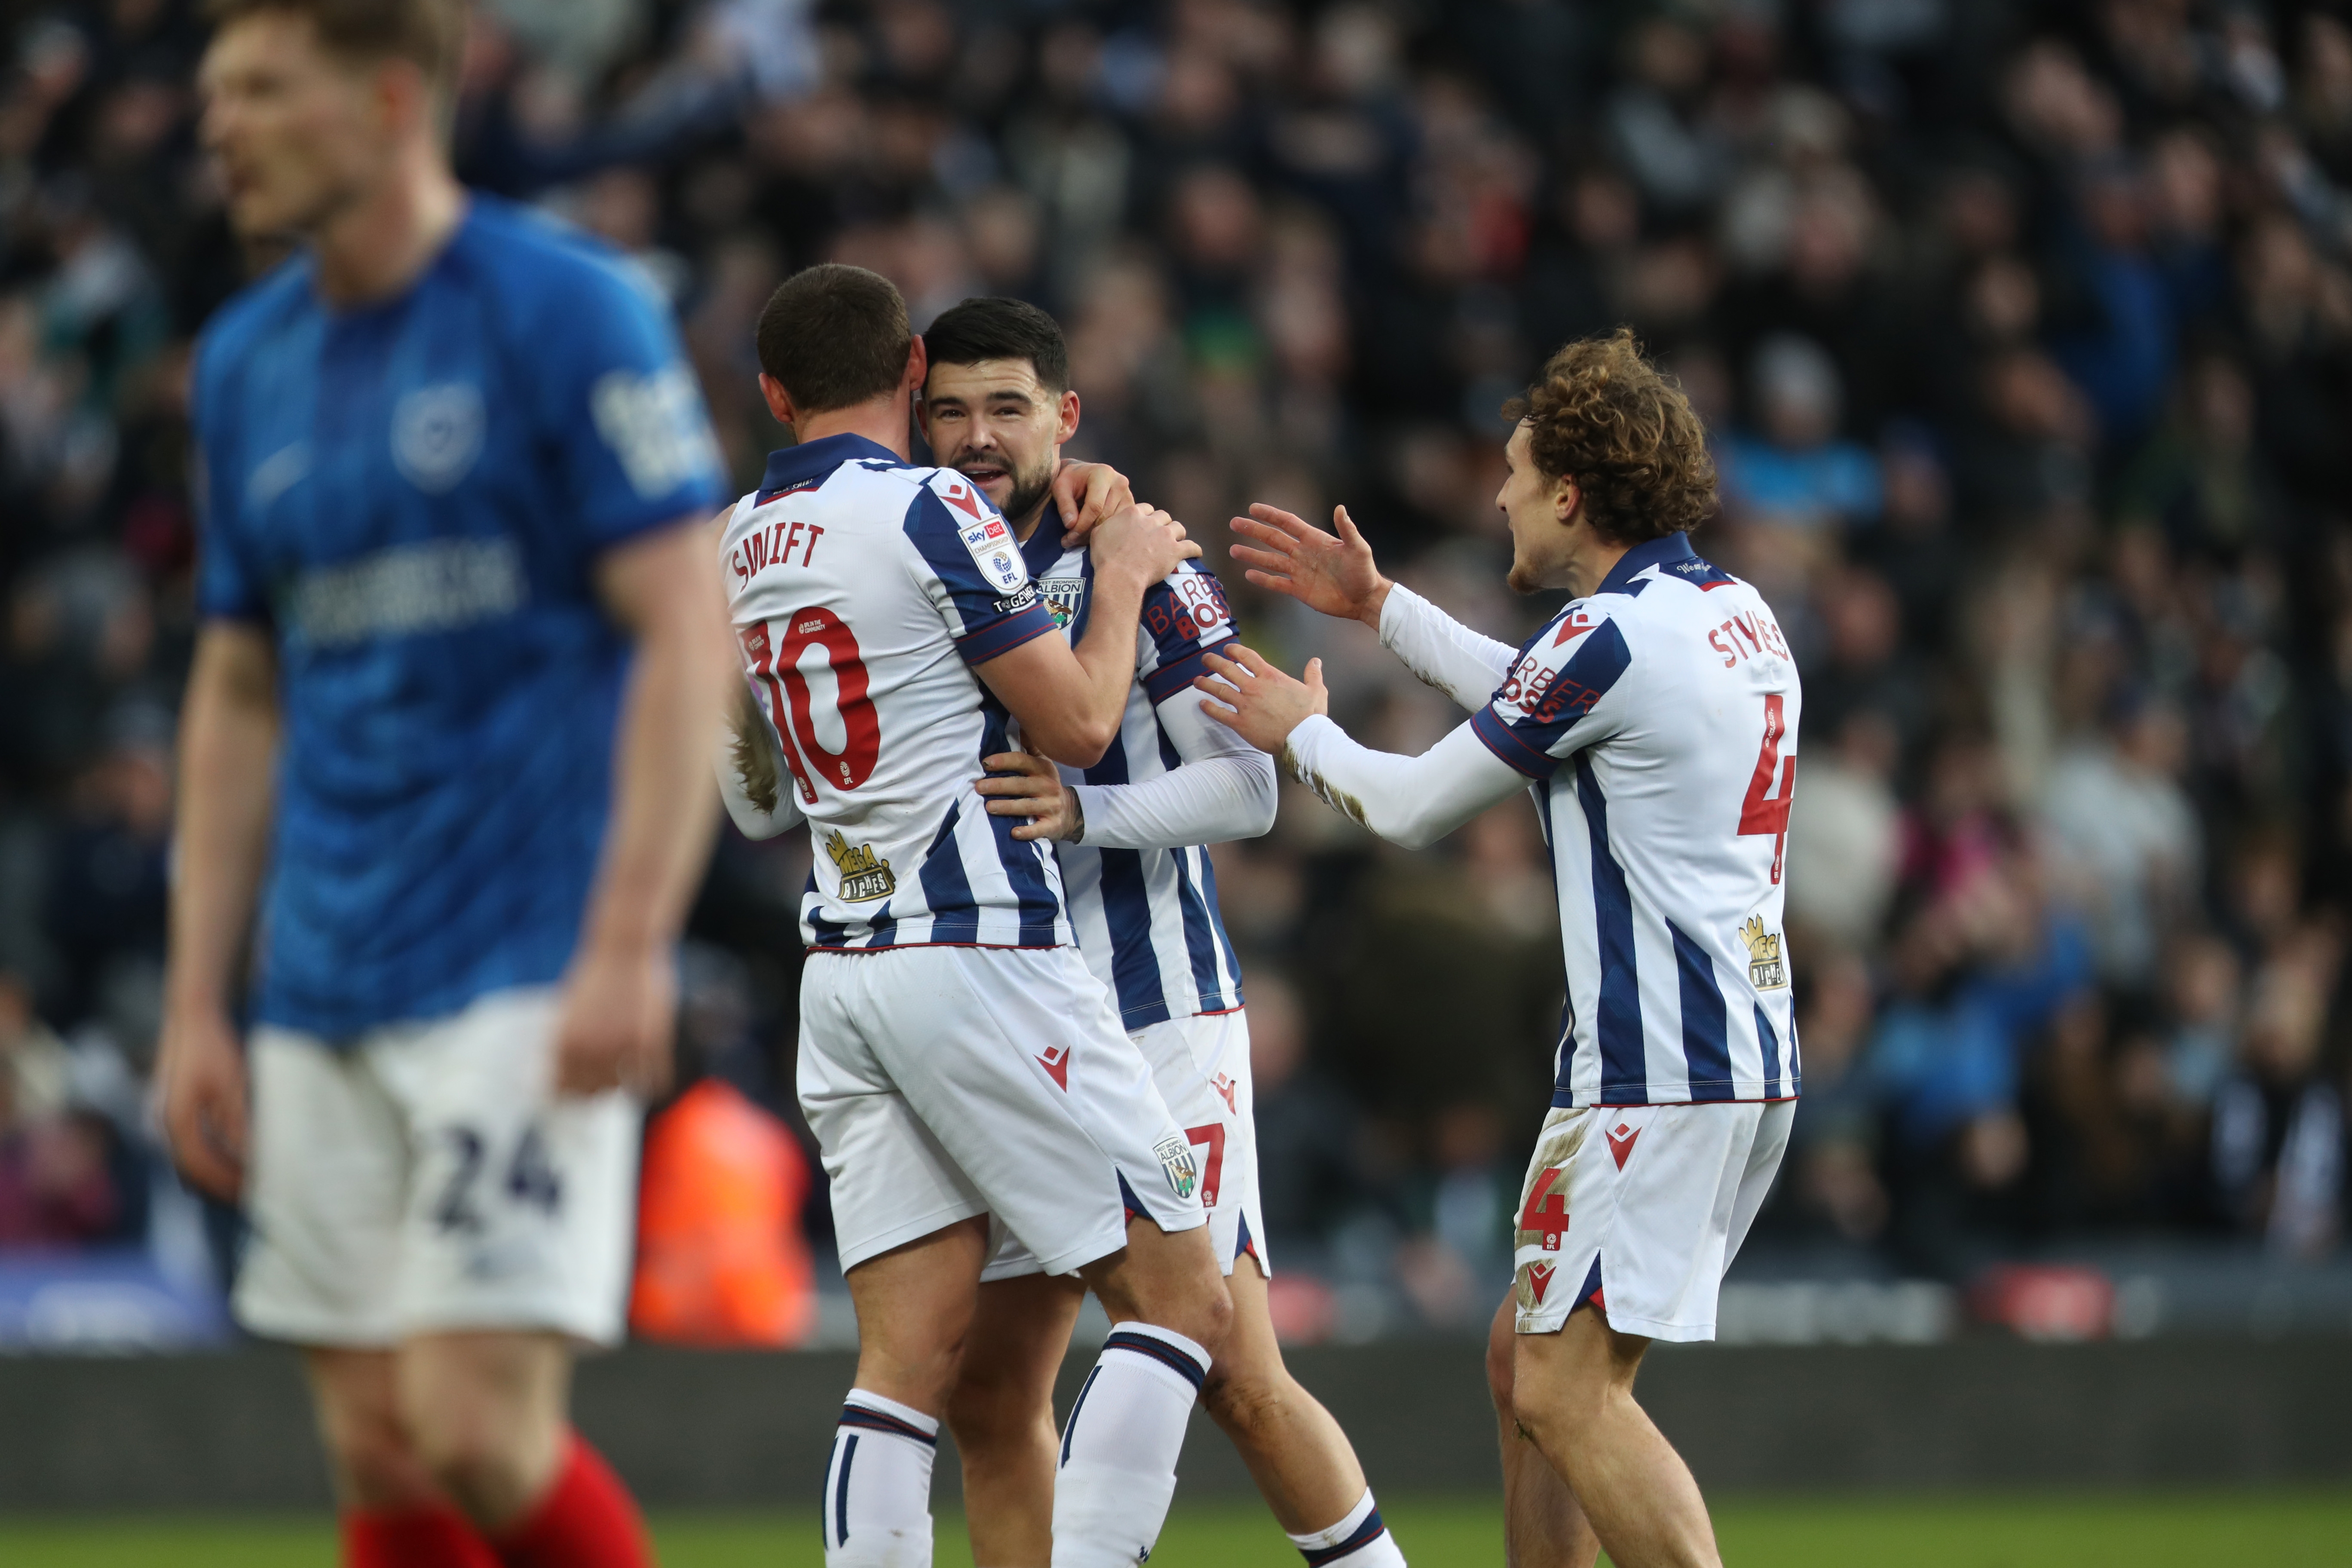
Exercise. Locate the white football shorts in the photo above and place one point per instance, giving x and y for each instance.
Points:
(1202, 1066)
(944, 1082)
(1640, 1210)
(428, 1178)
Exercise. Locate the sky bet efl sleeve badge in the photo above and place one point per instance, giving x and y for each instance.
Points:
(984, 534)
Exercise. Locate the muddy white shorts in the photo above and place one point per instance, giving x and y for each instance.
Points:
(944, 1082)
(1201, 1067)
(1638, 1210)
(427, 1178)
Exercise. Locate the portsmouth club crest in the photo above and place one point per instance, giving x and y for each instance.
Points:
(864, 876)
(1176, 1159)
(1766, 969)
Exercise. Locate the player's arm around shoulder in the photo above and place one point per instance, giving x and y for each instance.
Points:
(1070, 702)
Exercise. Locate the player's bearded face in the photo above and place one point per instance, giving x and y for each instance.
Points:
(993, 424)
(291, 129)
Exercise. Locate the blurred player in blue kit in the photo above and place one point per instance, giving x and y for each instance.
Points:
(461, 662)
(1655, 721)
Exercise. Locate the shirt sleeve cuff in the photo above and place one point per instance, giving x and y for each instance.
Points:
(1515, 752)
(1001, 636)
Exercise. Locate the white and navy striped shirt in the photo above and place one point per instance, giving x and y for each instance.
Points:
(863, 588)
(1658, 718)
(1147, 919)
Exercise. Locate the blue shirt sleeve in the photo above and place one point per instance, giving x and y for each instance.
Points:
(978, 577)
(1556, 698)
(229, 586)
(1185, 615)
(621, 405)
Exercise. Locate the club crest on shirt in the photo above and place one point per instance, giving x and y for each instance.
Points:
(1176, 1159)
(1062, 596)
(864, 876)
(1766, 971)
(436, 434)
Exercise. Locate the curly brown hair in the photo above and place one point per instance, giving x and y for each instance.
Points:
(1622, 429)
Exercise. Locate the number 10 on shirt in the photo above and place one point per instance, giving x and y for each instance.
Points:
(776, 661)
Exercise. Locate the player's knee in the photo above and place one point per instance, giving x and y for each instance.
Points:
(989, 1413)
(482, 1459)
(376, 1464)
(1205, 1312)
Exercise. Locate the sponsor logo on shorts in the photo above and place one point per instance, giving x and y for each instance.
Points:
(1766, 969)
(1055, 1060)
(1176, 1159)
(1224, 1087)
(1539, 1279)
(1621, 1142)
(865, 877)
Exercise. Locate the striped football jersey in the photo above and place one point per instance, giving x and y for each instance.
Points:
(1658, 718)
(863, 588)
(1147, 919)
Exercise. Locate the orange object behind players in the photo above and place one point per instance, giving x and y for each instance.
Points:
(722, 1259)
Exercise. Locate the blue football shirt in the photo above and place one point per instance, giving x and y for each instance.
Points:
(412, 497)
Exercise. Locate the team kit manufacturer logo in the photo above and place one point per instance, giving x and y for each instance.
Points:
(1176, 1159)
(865, 876)
(1766, 969)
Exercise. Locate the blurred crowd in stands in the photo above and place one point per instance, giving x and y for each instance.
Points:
(2025, 334)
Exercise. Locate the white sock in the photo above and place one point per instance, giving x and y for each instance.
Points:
(878, 1490)
(1361, 1540)
(1118, 1471)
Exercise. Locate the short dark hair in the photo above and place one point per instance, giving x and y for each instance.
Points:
(835, 336)
(989, 329)
(1601, 415)
(428, 34)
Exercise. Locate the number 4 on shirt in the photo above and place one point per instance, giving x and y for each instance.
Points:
(1763, 811)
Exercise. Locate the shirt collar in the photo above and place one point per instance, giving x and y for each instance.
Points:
(1043, 549)
(1648, 554)
(812, 461)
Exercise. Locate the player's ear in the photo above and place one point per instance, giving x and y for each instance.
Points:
(1068, 426)
(1564, 499)
(919, 365)
(780, 402)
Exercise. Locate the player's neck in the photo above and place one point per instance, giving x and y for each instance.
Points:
(881, 420)
(1026, 523)
(381, 244)
(1589, 563)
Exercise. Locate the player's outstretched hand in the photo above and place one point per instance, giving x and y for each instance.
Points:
(200, 1089)
(1332, 573)
(1085, 494)
(620, 1006)
(1031, 788)
(1250, 696)
(1143, 540)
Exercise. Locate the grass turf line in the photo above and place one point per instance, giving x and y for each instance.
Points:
(2277, 1530)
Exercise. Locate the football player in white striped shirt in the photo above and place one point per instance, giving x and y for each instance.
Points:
(962, 1069)
(1655, 716)
(1128, 832)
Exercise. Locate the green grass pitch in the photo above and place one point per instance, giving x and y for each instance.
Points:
(2276, 1530)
